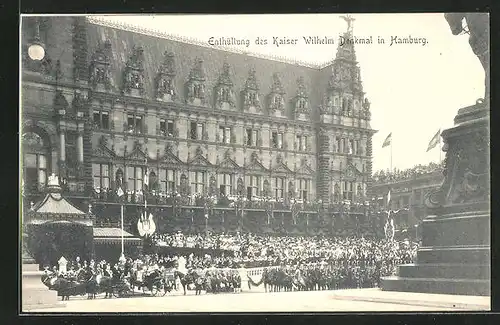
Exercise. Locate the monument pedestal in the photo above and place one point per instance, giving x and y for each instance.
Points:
(35, 294)
(455, 254)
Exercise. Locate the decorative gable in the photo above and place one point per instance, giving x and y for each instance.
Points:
(351, 171)
(138, 154)
(305, 168)
(102, 150)
(199, 159)
(133, 75)
(301, 100)
(169, 157)
(251, 100)
(256, 165)
(164, 81)
(100, 67)
(196, 84)
(228, 163)
(280, 166)
(224, 95)
(276, 97)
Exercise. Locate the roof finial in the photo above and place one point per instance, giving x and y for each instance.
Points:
(349, 19)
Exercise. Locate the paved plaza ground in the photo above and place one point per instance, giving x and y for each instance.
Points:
(360, 300)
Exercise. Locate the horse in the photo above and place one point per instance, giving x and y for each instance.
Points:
(186, 279)
(64, 287)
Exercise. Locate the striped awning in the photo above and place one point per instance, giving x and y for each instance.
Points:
(110, 232)
(113, 236)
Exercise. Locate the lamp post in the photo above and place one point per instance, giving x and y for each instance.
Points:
(36, 50)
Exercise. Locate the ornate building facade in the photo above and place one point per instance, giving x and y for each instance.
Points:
(226, 138)
(409, 189)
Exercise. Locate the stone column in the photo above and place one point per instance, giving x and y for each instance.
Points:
(80, 145)
(62, 145)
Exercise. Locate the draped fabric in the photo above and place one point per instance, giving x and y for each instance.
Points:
(50, 241)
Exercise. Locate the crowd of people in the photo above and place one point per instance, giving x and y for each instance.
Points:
(220, 241)
(318, 262)
(252, 250)
(398, 175)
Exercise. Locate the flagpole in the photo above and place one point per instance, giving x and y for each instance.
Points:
(121, 213)
(439, 146)
(391, 154)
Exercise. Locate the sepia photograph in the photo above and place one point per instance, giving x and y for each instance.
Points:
(254, 163)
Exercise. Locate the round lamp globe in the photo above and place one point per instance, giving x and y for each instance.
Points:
(36, 52)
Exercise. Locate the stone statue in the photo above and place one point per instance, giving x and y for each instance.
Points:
(478, 29)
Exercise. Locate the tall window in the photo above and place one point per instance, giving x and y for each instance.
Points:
(253, 188)
(348, 189)
(301, 143)
(35, 166)
(277, 140)
(101, 120)
(134, 123)
(167, 128)
(167, 180)
(225, 183)
(198, 182)
(339, 144)
(135, 176)
(71, 152)
(252, 137)
(197, 130)
(101, 176)
(35, 171)
(304, 189)
(279, 187)
(224, 134)
(301, 103)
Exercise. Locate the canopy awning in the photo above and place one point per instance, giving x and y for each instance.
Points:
(113, 236)
(55, 208)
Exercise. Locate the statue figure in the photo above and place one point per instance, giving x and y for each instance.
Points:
(478, 29)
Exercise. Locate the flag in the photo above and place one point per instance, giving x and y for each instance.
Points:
(120, 192)
(434, 141)
(387, 141)
(388, 199)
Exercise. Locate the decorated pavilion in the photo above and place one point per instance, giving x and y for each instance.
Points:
(56, 228)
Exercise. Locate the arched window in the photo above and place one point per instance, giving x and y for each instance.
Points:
(36, 160)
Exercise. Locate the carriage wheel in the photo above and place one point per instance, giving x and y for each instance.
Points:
(163, 289)
(123, 293)
(115, 293)
(154, 289)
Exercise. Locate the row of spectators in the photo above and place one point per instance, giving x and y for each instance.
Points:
(399, 175)
(252, 250)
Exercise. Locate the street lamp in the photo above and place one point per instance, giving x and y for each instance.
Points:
(36, 50)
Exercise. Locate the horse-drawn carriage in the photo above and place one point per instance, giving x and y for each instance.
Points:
(155, 281)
